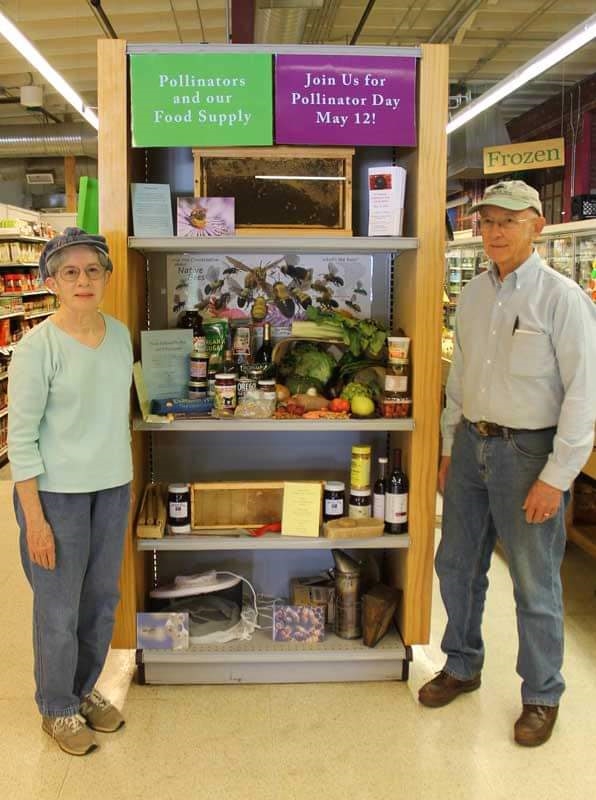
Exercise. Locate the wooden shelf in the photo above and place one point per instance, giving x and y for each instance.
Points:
(583, 536)
(274, 244)
(240, 541)
(211, 425)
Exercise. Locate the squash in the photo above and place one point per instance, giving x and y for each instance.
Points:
(310, 402)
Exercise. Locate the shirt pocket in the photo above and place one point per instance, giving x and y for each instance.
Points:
(531, 355)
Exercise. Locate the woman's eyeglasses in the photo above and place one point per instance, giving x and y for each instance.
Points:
(95, 272)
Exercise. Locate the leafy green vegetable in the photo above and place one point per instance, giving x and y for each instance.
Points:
(300, 385)
(353, 389)
(308, 360)
(362, 336)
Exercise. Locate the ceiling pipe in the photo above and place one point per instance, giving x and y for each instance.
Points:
(102, 19)
(38, 141)
(362, 21)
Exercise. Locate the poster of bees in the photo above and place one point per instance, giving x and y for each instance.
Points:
(268, 288)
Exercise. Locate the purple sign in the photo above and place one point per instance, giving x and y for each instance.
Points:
(345, 100)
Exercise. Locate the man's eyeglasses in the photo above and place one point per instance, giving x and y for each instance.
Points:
(506, 224)
(95, 272)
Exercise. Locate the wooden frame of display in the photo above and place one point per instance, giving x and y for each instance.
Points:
(342, 205)
(417, 306)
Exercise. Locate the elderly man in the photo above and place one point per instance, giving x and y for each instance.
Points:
(517, 428)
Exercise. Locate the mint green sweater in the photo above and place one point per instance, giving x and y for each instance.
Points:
(68, 410)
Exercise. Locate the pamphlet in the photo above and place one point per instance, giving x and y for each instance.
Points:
(165, 359)
(151, 209)
(301, 510)
(386, 192)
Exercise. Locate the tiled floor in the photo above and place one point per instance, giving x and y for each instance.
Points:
(296, 742)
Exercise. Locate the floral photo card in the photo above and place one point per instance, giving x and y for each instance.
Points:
(205, 216)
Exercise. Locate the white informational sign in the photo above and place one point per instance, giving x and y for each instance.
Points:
(164, 355)
(386, 191)
(272, 288)
(151, 209)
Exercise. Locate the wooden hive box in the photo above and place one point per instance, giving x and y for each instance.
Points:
(274, 188)
(235, 504)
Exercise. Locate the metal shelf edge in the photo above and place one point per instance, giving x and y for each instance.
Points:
(210, 425)
(218, 542)
(275, 244)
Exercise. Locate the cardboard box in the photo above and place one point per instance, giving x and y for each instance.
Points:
(315, 591)
(159, 630)
(298, 623)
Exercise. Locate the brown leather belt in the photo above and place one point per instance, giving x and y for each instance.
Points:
(486, 429)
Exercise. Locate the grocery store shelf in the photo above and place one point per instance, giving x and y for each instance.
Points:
(212, 425)
(12, 314)
(3, 411)
(239, 540)
(274, 244)
(34, 314)
(261, 660)
(3, 452)
(3, 374)
(17, 264)
(14, 236)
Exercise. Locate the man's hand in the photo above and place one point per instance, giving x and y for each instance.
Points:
(40, 543)
(443, 470)
(542, 502)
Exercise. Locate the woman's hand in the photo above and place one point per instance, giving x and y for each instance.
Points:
(40, 544)
(443, 470)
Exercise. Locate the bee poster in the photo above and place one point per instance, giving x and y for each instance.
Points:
(268, 288)
(205, 216)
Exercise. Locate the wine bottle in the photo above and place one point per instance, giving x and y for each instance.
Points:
(396, 498)
(264, 355)
(379, 490)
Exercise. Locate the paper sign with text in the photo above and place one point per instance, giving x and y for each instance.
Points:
(201, 99)
(345, 100)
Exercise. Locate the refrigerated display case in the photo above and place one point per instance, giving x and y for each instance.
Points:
(570, 249)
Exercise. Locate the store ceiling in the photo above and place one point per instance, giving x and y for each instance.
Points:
(489, 38)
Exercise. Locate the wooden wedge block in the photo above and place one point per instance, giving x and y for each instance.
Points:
(378, 607)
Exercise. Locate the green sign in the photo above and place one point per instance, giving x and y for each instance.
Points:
(201, 99)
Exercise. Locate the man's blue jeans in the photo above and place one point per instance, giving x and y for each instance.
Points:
(74, 604)
(487, 483)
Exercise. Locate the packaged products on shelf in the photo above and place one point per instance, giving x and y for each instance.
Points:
(179, 508)
(333, 500)
(360, 505)
(225, 392)
(360, 466)
(396, 498)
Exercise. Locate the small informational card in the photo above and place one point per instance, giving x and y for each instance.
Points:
(205, 216)
(386, 192)
(162, 630)
(143, 396)
(165, 359)
(298, 623)
(151, 209)
(301, 509)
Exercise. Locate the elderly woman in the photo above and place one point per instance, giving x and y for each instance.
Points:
(69, 449)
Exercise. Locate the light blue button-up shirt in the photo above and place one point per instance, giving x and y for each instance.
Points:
(525, 357)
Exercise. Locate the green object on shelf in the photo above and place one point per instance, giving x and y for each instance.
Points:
(88, 208)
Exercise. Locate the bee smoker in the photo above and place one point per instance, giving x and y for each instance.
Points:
(348, 621)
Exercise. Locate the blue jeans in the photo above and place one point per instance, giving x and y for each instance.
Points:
(74, 604)
(487, 483)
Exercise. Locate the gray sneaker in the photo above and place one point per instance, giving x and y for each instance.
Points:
(71, 734)
(100, 714)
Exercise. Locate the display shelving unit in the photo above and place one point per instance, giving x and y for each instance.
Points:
(417, 306)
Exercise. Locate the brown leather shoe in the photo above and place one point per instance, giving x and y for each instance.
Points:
(444, 688)
(535, 725)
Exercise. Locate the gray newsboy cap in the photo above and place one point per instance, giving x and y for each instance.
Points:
(73, 237)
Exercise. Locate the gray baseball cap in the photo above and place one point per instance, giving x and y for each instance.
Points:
(73, 237)
(512, 195)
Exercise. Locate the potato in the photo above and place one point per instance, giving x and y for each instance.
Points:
(310, 402)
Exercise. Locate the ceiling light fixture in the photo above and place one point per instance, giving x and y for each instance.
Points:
(14, 37)
(563, 47)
